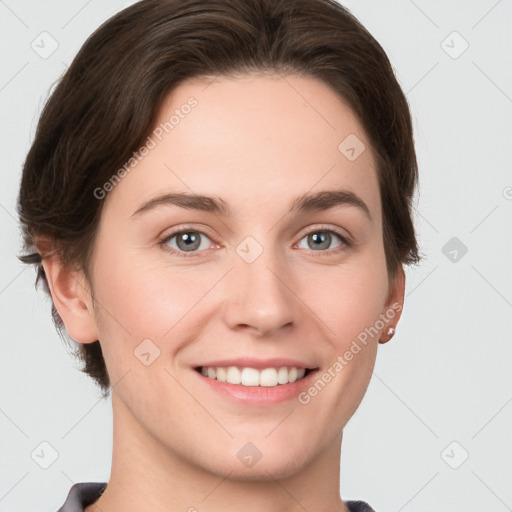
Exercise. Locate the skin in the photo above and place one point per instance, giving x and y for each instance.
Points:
(170, 429)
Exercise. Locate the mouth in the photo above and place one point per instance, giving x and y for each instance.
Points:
(247, 386)
(253, 377)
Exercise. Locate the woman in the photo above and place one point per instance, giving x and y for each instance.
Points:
(218, 199)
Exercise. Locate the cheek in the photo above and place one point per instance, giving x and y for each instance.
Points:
(347, 298)
(146, 297)
(145, 302)
(348, 302)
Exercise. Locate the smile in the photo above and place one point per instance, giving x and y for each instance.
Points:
(247, 376)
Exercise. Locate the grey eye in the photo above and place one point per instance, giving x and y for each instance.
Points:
(187, 241)
(320, 240)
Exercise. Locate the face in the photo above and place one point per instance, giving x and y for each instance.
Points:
(267, 282)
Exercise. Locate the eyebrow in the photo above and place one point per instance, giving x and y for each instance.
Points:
(309, 202)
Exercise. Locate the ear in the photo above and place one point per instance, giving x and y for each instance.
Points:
(71, 297)
(394, 305)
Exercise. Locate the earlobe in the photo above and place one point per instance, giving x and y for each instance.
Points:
(72, 299)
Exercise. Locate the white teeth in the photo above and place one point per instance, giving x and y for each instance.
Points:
(282, 376)
(221, 374)
(233, 375)
(250, 377)
(269, 377)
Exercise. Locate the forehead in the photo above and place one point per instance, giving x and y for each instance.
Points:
(253, 139)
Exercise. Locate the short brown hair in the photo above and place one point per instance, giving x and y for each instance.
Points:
(104, 107)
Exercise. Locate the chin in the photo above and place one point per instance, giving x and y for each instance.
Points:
(267, 464)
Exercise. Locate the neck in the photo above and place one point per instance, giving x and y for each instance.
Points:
(149, 476)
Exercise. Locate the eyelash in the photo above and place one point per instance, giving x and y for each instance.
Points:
(162, 242)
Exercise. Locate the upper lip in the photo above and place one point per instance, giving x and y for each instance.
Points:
(249, 362)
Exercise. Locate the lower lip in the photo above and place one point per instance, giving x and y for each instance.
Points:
(259, 395)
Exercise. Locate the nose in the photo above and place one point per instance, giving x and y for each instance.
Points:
(259, 296)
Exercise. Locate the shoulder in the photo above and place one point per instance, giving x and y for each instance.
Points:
(359, 506)
(81, 495)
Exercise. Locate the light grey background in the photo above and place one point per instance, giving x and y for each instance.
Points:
(445, 377)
